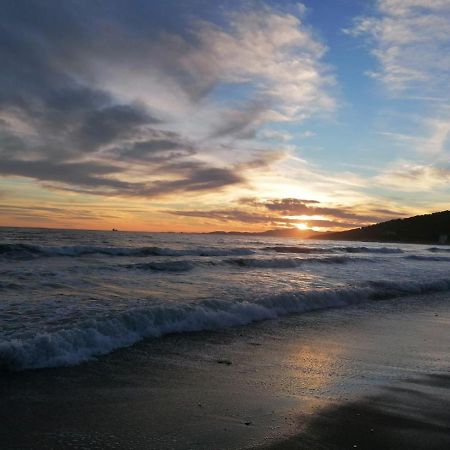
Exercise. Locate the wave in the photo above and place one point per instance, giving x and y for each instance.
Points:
(96, 337)
(250, 263)
(427, 258)
(286, 263)
(296, 249)
(9, 285)
(439, 249)
(387, 250)
(307, 250)
(21, 251)
(164, 266)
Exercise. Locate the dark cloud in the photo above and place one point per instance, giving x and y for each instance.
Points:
(254, 217)
(42, 212)
(281, 212)
(242, 122)
(230, 215)
(108, 124)
(200, 179)
(158, 146)
(91, 177)
(293, 207)
(88, 174)
(70, 73)
(63, 130)
(285, 205)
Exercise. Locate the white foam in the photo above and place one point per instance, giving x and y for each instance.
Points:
(428, 258)
(349, 249)
(32, 250)
(286, 263)
(100, 336)
(439, 249)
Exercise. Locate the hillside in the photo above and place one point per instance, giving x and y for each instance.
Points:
(428, 228)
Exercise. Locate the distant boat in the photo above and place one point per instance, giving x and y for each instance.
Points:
(114, 229)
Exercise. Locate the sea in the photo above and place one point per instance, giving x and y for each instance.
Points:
(68, 296)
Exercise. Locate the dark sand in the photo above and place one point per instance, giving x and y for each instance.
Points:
(375, 376)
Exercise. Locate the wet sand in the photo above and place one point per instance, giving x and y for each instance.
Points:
(371, 376)
(413, 414)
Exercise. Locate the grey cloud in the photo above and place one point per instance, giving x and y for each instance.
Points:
(90, 174)
(66, 123)
(292, 206)
(201, 179)
(287, 205)
(40, 46)
(45, 84)
(241, 123)
(254, 217)
(105, 125)
(279, 212)
(92, 178)
(41, 212)
(158, 146)
(330, 224)
(228, 215)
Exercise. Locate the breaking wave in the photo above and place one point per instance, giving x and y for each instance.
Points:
(286, 263)
(30, 251)
(249, 263)
(428, 258)
(439, 249)
(296, 249)
(96, 337)
(164, 266)
(307, 250)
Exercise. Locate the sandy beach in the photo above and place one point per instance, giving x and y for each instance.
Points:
(369, 376)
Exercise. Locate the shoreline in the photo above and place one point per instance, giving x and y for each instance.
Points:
(271, 384)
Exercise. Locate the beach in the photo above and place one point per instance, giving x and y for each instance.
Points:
(374, 375)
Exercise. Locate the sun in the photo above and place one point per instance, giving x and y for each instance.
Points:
(302, 226)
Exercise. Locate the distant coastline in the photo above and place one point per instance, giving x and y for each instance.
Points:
(424, 229)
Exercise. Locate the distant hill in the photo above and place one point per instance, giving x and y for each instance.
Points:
(428, 228)
(279, 232)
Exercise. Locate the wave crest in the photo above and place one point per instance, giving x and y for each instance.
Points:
(32, 251)
(308, 250)
(100, 336)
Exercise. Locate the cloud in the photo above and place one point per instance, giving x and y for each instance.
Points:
(255, 218)
(110, 124)
(432, 138)
(285, 59)
(56, 213)
(296, 207)
(241, 123)
(286, 212)
(275, 135)
(125, 104)
(230, 215)
(410, 177)
(156, 146)
(411, 41)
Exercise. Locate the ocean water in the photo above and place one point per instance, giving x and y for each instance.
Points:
(68, 296)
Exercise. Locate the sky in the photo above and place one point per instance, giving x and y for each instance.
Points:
(202, 115)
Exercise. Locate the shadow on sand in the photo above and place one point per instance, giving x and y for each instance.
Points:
(412, 415)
